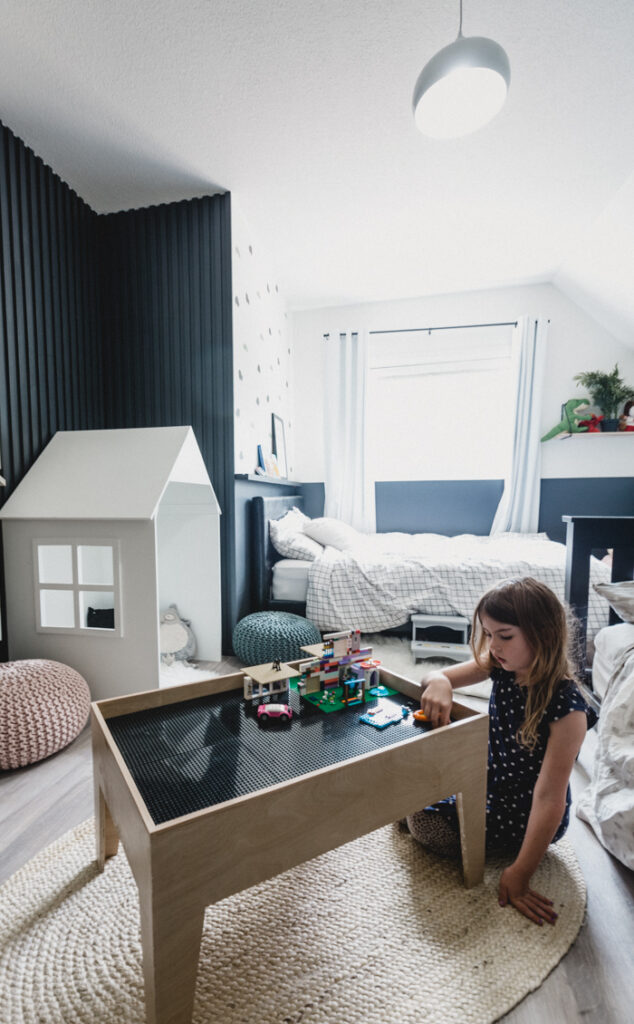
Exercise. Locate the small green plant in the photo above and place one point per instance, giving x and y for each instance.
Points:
(607, 390)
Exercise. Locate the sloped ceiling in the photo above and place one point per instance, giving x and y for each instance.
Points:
(303, 110)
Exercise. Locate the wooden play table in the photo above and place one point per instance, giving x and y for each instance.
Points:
(190, 783)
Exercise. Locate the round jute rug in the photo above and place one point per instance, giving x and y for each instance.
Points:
(376, 932)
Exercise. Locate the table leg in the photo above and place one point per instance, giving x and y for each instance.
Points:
(106, 830)
(170, 936)
(471, 807)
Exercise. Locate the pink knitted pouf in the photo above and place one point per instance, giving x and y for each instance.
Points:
(43, 706)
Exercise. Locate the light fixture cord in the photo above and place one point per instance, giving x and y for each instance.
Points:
(460, 26)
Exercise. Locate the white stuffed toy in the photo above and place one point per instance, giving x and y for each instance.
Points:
(178, 642)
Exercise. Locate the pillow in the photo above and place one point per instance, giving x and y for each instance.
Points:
(288, 538)
(333, 532)
(620, 597)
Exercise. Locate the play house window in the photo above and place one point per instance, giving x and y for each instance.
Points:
(77, 587)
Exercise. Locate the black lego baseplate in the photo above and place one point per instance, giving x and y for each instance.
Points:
(187, 756)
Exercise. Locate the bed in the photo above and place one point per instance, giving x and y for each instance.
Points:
(265, 556)
(337, 577)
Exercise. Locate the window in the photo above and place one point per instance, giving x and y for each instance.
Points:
(77, 587)
(440, 405)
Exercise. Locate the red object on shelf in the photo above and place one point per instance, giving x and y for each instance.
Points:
(592, 424)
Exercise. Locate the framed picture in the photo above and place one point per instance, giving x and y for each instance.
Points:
(279, 444)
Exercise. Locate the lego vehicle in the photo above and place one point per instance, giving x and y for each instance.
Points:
(266, 711)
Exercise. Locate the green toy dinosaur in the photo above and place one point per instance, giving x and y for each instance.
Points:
(573, 411)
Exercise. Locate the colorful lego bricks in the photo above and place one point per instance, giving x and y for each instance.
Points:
(340, 672)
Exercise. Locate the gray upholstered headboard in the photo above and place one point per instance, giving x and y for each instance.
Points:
(263, 510)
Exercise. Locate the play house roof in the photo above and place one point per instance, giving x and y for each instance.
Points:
(111, 474)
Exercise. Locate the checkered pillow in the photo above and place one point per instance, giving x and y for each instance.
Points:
(289, 539)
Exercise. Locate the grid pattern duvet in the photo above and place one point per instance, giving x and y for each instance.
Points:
(388, 577)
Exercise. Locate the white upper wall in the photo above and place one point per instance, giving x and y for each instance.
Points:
(576, 342)
(598, 274)
(262, 368)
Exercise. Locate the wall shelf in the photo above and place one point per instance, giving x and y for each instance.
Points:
(600, 433)
(260, 479)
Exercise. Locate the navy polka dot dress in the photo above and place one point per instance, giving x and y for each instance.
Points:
(513, 769)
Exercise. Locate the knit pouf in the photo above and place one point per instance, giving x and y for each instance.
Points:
(265, 636)
(43, 706)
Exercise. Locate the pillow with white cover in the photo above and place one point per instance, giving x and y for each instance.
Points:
(289, 539)
(620, 596)
(332, 532)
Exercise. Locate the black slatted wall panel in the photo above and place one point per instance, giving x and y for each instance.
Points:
(50, 350)
(167, 335)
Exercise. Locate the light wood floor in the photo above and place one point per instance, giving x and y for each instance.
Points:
(593, 984)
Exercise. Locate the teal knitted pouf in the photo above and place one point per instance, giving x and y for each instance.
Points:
(266, 636)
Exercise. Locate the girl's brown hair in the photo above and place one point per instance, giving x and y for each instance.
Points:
(533, 608)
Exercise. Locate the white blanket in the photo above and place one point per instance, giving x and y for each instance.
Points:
(607, 804)
(387, 577)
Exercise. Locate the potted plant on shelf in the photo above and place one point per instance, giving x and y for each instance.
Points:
(608, 391)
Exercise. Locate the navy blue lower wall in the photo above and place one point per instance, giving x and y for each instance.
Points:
(314, 496)
(580, 496)
(468, 506)
(436, 506)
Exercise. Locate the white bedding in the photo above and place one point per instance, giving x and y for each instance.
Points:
(387, 577)
(609, 645)
(607, 804)
(290, 579)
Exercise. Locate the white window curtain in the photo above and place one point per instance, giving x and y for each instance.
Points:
(518, 510)
(349, 490)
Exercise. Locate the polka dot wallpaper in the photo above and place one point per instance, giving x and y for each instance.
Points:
(261, 355)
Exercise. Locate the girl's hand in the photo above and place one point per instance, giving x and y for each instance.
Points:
(436, 699)
(514, 889)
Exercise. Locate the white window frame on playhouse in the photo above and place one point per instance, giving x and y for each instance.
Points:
(77, 588)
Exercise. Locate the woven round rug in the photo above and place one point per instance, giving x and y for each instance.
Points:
(375, 932)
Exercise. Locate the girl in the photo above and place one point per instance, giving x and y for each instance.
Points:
(538, 720)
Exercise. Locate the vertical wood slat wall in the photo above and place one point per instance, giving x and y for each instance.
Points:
(50, 345)
(168, 344)
(113, 321)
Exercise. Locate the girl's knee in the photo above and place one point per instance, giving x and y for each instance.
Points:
(435, 833)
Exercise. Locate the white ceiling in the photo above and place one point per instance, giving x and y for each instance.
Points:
(303, 110)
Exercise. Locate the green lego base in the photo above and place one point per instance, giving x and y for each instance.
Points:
(320, 699)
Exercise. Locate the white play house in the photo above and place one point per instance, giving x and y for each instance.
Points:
(106, 531)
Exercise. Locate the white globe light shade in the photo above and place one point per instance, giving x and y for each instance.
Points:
(461, 88)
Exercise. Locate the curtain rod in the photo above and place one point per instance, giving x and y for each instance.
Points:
(452, 327)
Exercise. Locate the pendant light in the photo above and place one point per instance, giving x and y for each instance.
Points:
(462, 87)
